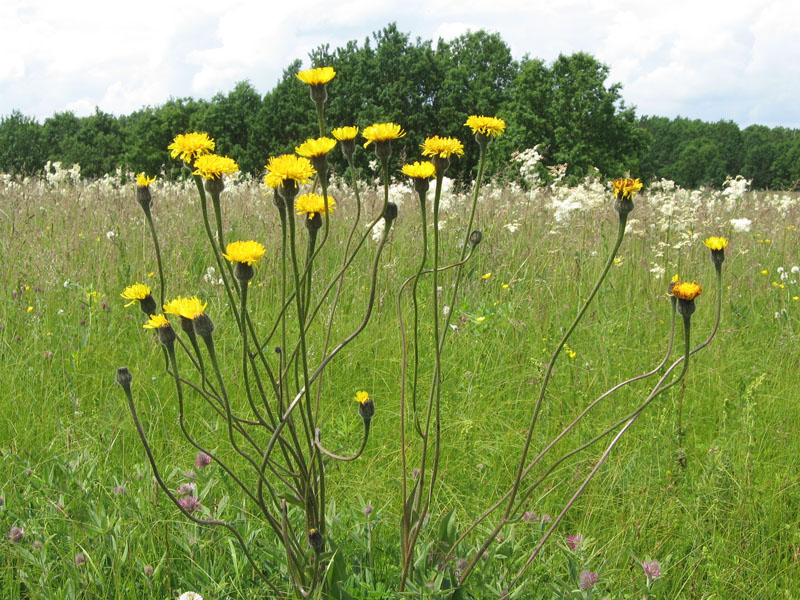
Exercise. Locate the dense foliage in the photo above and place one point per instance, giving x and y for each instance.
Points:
(566, 107)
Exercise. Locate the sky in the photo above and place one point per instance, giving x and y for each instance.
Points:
(735, 60)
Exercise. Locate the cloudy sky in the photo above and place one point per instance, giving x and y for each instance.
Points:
(706, 59)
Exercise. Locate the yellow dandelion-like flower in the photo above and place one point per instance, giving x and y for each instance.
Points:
(382, 132)
(142, 180)
(419, 170)
(686, 290)
(765, 272)
(244, 252)
(361, 397)
(312, 148)
(716, 243)
(442, 147)
(480, 319)
(29, 309)
(488, 126)
(288, 166)
(212, 166)
(486, 275)
(137, 291)
(345, 133)
(625, 188)
(188, 308)
(318, 76)
(188, 146)
(156, 321)
(312, 204)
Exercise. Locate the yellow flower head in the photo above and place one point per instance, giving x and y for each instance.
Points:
(244, 252)
(212, 166)
(716, 243)
(442, 147)
(419, 170)
(624, 189)
(361, 397)
(142, 180)
(382, 132)
(188, 146)
(156, 321)
(288, 166)
(312, 204)
(345, 133)
(137, 291)
(318, 76)
(312, 148)
(488, 126)
(686, 290)
(188, 308)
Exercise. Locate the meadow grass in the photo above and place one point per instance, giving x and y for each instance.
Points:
(717, 505)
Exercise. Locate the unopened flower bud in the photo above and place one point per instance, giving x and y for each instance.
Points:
(315, 540)
(390, 214)
(124, 377)
(475, 238)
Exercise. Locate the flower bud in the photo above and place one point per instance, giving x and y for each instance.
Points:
(390, 214)
(124, 377)
(315, 540)
(475, 238)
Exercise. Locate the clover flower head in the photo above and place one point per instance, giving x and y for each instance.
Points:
(142, 180)
(212, 166)
(345, 133)
(248, 252)
(189, 146)
(156, 322)
(190, 503)
(313, 148)
(382, 132)
(312, 204)
(651, 568)
(202, 460)
(488, 126)
(625, 188)
(317, 76)
(188, 308)
(575, 541)
(419, 170)
(587, 579)
(442, 147)
(288, 166)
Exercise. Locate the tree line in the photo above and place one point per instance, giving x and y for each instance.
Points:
(566, 107)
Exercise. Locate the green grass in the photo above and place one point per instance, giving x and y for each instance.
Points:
(719, 510)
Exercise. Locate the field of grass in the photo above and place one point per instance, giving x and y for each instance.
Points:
(718, 506)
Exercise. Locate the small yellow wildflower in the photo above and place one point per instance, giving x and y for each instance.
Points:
(480, 319)
(137, 291)
(188, 146)
(486, 275)
(288, 166)
(716, 243)
(188, 308)
(361, 397)
(571, 353)
(151, 273)
(312, 204)
(382, 132)
(318, 76)
(345, 133)
(244, 252)
(687, 290)
(505, 286)
(142, 180)
(488, 126)
(156, 321)
(442, 147)
(419, 170)
(795, 298)
(617, 260)
(30, 309)
(774, 284)
(212, 166)
(315, 147)
(765, 272)
(625, 188)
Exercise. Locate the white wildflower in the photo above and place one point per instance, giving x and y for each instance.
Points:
(741, 225)
(110, 235)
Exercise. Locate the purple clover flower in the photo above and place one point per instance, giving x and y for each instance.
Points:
(190, 503)
(575, 542)
(587, 579)
(15, 534)
(202, 460)
(652, 569)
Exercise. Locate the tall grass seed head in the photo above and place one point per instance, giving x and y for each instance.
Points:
(189, 146)
(366, 407)
(347, 139)
(717, 246)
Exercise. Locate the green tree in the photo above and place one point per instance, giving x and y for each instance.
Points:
(22, 148)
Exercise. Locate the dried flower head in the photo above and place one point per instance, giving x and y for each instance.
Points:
(248, 252)
(344, 134)
(187, 308)
(488, 126)
(442, 147)
(312, 148)
(142, 180)
(317, 76)
(313, 204)
(212, 166)
(419, 170)
(189, 146)
(382, 132)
